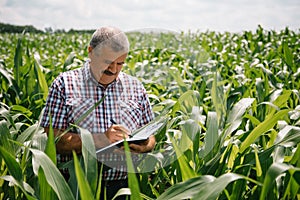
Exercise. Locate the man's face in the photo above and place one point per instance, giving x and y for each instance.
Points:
(106, 65)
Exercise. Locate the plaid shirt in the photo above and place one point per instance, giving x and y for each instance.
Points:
(73, 92)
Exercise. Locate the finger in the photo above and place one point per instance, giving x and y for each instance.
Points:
(136, 147)
(122, 135)
(121, 128)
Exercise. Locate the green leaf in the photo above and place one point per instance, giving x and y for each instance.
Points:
(21, 109)
(11, 164)
(132, 179)
(15, 171)
(189, 128)
(288, 57)
(295, 159)
(41, 79)
(233, 155)
(280, 101)
(98, 191)
(202, 187)
(30, 82)
(69, 60)
(218, 100)
(296, 176)
(5, 74)
(186, 170)
(50, 149)
(273, 172)
(212, 189)
(212, 134)
(236, 114)
(189, 131)
(5, 136)
(45, 190)
(288, 136)
(28, 133)
(257, 164)
(122, 191)
(263, 127)
(83, 184)
(176, 75)
(90, 160)
(186, 189)
(25, 187)
(186, 102)
(293, 186)
(18, 61)
(53, 175)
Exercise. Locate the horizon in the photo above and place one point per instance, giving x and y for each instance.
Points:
(149, 30)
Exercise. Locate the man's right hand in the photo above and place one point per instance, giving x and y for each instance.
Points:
(117, 132)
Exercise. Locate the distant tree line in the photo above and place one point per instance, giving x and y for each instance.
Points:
(9, 28)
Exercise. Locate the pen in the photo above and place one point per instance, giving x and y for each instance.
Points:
(113, 121)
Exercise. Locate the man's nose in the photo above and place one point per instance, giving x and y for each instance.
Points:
(113, 67)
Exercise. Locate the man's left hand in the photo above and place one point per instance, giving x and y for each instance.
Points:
(143, 147)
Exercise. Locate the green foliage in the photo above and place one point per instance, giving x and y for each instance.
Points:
(232, 100)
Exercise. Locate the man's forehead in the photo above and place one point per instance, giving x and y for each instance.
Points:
(109, 54)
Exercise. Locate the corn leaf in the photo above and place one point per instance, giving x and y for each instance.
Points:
(186, 189)
(132, 179)
(263, 127)
(25, 187)
(45, 190)
(41, 79)
(236, 114)
(89, 156)
(211, 137)
(12, 165)
(211, 190)
(53, 175)
(288, 57)
(83, 184)
(5, 136)
(273, 172)
(50, 149)
(18, 61)
(186, 170)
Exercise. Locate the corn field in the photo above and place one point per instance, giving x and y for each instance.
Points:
(232, 100)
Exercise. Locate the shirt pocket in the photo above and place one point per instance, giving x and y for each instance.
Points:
(131, 113)
(79, 112)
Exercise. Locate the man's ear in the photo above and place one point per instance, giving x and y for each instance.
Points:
(90, 49)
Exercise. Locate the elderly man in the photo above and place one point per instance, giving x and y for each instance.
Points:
(125, 106)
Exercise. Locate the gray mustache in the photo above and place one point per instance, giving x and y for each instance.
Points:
(107, 72)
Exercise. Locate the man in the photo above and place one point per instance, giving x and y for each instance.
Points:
(125, 105)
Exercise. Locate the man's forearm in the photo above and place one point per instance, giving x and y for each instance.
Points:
(72, 141)
(67, 143)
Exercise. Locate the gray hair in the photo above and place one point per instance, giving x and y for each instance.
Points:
(110, 37)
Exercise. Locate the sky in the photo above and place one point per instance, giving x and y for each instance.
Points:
(174, 15)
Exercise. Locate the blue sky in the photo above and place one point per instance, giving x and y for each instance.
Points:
(175, 15)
